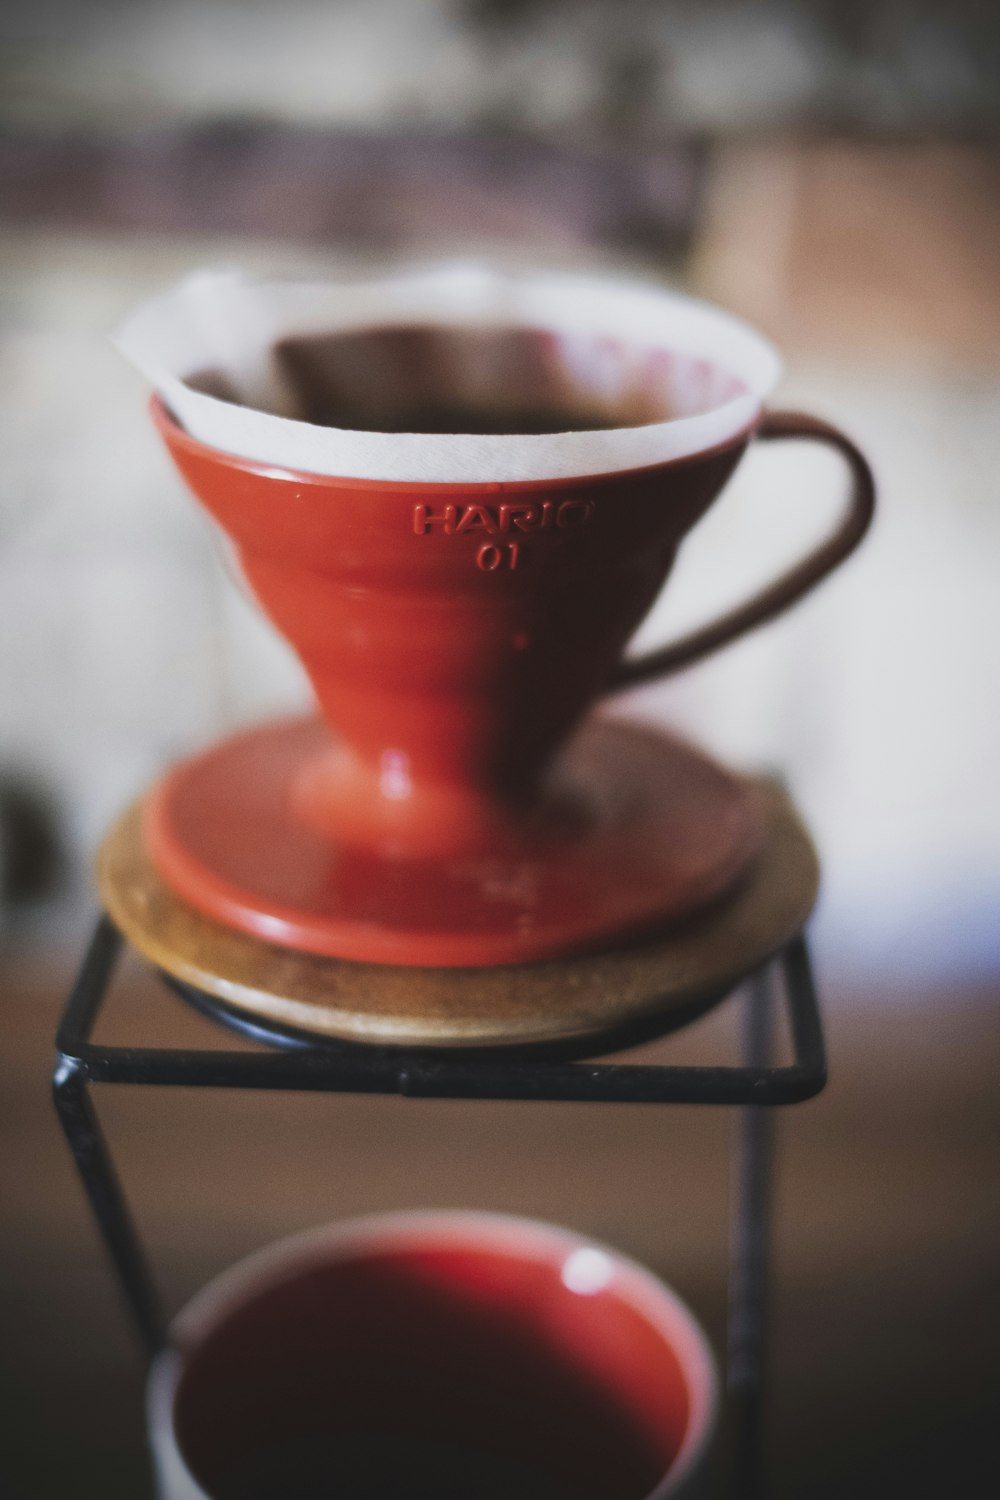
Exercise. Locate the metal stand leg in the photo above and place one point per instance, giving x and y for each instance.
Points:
(93, 1160)
(749, 1256)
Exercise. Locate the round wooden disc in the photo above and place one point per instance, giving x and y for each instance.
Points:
(555, 1000)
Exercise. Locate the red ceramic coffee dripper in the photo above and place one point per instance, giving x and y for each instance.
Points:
(455, 636)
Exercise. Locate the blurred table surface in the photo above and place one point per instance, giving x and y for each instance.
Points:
(885, 1378)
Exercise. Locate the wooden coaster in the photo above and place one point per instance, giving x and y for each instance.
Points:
(450, 1007)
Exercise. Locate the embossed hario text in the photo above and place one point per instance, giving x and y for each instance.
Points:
(506, 518)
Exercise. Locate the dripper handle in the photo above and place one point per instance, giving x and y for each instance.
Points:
(791, 585)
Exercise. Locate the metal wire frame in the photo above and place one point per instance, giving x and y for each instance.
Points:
(299, 1062)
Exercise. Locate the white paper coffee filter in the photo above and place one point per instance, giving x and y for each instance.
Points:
(715, 371)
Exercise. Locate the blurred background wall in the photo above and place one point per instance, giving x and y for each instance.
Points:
(829, 170)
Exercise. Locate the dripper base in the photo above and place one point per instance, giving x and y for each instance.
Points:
(669, 834)
(586, 1002)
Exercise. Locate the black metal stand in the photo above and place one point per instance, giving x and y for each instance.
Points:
(297, 1062)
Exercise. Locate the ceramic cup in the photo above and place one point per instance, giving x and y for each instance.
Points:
(436, 1356)
(457, 633)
